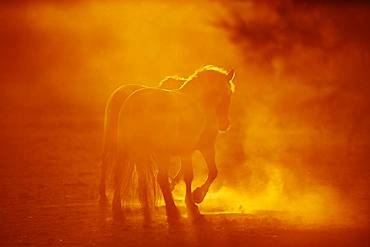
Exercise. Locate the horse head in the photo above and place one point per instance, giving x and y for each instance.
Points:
(223, 101)
(213, 87)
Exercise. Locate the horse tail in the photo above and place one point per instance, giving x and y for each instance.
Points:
(147, 183)
(110, 144)
(135, 178)
(135, 173)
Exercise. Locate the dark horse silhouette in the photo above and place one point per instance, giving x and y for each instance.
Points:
(112, 110)
(156, 124)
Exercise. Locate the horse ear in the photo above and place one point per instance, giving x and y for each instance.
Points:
(230, 75)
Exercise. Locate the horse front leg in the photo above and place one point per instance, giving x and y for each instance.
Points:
(191, 207)
(142, 164)
(209, 156)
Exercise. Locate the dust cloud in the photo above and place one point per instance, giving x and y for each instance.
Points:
(300, 137)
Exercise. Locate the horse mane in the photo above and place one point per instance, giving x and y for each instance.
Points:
(202, 70)
(172, 77)
(210, 68)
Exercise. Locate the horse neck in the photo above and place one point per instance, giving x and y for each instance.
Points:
(195, 91)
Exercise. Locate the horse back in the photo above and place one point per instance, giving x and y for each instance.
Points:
(112, 110)
(119, 95)
(155, 119)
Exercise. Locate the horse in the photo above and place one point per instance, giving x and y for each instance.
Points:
(156, 124)
(112, 109)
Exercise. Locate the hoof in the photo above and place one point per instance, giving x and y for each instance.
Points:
(199, 219)
(193, 211)
(198, 195)
(173, 216)
(148, 219)
(147, 223)
(103, 200)
(173, 213)
(174, 221)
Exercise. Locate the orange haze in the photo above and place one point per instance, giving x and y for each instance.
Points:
(300, 115)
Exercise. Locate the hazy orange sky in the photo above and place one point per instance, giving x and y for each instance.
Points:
(95, 46)
(301, 110)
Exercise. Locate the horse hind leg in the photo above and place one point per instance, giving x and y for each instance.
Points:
(121, 167)
(107, 159)
(173, 214)
(143, 165)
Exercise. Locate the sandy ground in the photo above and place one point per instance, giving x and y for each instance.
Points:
(49, 179)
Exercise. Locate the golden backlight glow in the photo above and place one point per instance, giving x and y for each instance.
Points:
(305, 209)
(119, 41)
(298, 147)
